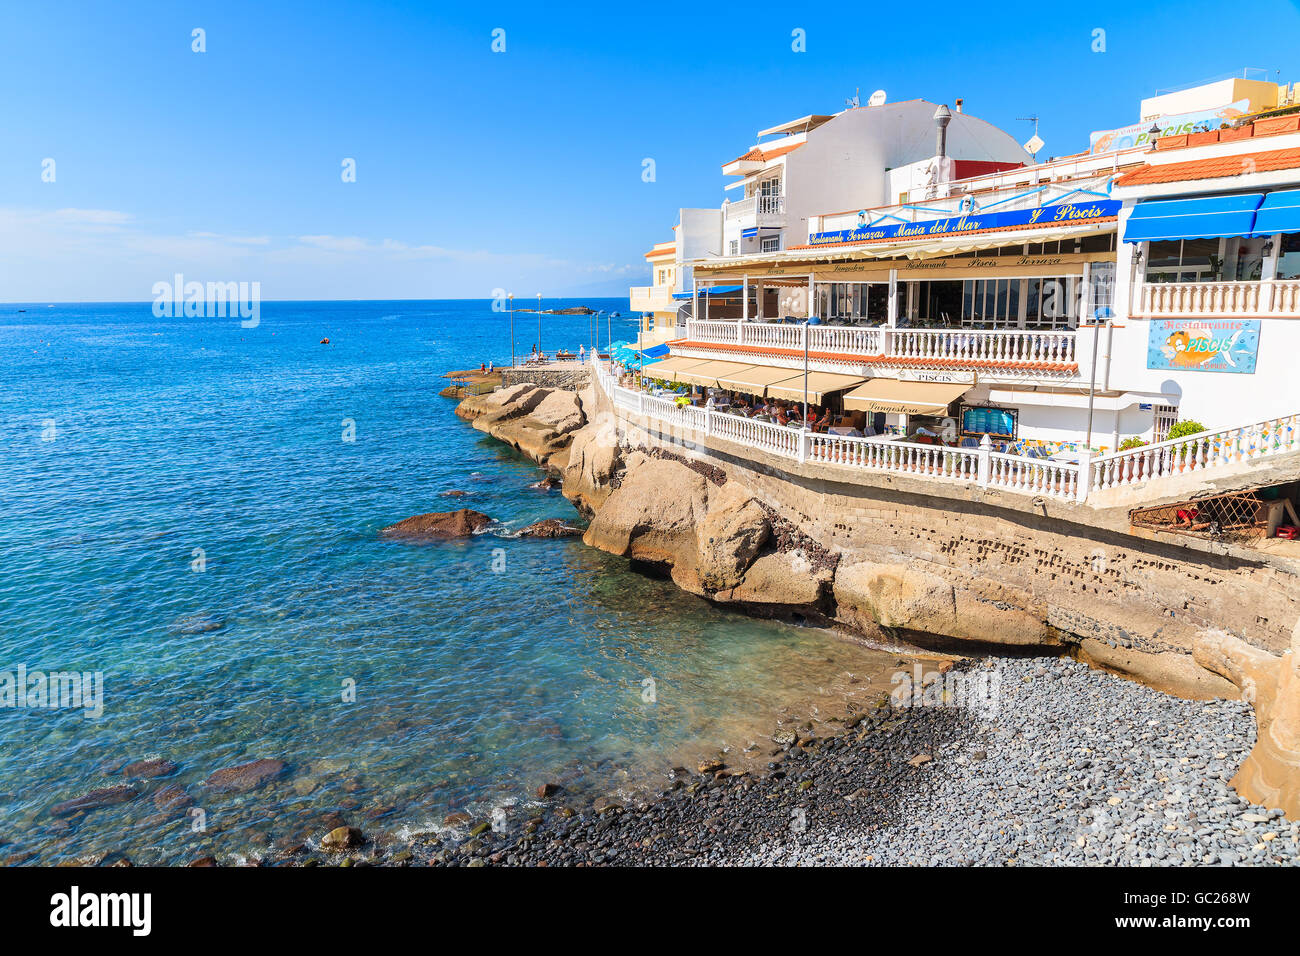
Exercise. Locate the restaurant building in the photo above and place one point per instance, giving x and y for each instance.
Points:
(1085, 300)
(859, 158)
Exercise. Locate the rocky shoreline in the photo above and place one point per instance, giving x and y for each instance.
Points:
(882, 562)
(1059, 764)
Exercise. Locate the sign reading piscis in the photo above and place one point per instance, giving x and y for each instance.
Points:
(1203, 345)
(1060, 214)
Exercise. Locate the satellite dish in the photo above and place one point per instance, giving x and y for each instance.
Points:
(877, 98)
(1034, 145)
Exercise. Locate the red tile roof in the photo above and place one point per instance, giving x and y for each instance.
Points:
(759, 155)
(1217, 168)
(670, 250)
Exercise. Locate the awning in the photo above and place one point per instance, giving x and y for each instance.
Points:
(820, 384)
(1200, 217)
(655, 351)
(709, 291)
(899, 397)
(706, 375)
(669, 367)
(1279, 213)
(754, 379)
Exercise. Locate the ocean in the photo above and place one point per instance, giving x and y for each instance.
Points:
(191, 509)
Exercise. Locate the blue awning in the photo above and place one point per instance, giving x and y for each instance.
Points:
(1200, 217)
(1279, 213)
(655, 351)
(749, 233)
(710, 291)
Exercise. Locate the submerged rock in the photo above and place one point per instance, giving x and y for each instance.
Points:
(147, 769)
(439, 524)
(549, 528)
(342, 838)
(246, 776)
(172, 797)
(95, 800)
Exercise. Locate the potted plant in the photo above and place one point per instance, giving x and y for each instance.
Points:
(1128, 444)
(1183, 429)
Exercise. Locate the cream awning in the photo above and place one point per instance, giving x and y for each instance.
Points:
(754, 379)
(820, 384)
(706, 375)
(898, 397)
(669, 367)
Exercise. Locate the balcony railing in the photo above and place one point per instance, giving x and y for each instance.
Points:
(650, 298)
(1151, 465)
(1269, 297)
(1001, 347)
(756, 206)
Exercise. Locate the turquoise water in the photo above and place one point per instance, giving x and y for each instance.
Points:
(473, 682)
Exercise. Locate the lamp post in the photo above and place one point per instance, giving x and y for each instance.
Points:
(805, 372)
(1092, 384)
(609, 332)
(511, 299)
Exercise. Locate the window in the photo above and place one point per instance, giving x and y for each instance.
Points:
(769, 195)
(733, 247)
(1102, 243)
(770, 244)
(1101, 291)
(1184, 260)
(1288, 258)
(1165, 416)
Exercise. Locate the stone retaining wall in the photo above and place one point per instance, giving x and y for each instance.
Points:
(569, 379)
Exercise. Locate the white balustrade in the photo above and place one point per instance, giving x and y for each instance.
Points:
(1214, 449)
(1002, 346)
(1269, 297)
(982, 467)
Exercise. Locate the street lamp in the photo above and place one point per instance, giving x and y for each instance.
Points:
(511, 299)
(539, 324)
(1100, 315)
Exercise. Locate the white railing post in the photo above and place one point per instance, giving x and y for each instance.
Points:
(640, 403)
(708, 421)
(740, 332)
(1085, 475)
(986, 461)
(805, 439)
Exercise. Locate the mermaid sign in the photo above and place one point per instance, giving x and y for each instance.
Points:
(1203, 345)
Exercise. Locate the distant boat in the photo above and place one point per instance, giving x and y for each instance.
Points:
(325, 341)
(615, 315)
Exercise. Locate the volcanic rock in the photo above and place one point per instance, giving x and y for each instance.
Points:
(439, 524)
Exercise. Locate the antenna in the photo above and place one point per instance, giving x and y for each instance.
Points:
(1034, 144)
(852, 102)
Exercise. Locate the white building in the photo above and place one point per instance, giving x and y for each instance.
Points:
(977, 307)
(857, 159)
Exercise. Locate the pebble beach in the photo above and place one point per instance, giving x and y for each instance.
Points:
(1067, 765)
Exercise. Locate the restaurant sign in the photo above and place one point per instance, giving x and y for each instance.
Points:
(1061, 214)
(1203, 345)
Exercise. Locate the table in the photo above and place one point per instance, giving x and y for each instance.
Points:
(844, 430)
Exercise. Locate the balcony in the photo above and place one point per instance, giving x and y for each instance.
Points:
(849, 347)
(651, 298)
(1195, 300)
(760, 211)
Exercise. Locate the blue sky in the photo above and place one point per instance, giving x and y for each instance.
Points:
(479, 170)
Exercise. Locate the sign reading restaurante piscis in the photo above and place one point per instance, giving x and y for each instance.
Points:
(1061, 214)
(1203, 345)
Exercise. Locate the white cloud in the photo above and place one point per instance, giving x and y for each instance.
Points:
(105, 254)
